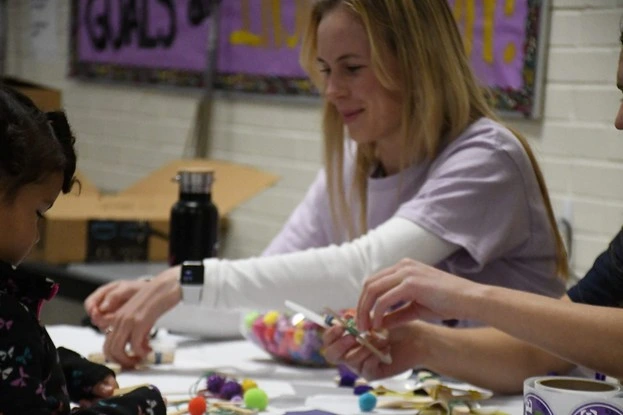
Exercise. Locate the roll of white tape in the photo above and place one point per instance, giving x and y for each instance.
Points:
(560, 395)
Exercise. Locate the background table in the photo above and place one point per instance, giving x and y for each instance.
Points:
(290, 388)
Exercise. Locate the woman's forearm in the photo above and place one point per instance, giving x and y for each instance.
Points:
(484, 357)
(329, 276)
(586, 335)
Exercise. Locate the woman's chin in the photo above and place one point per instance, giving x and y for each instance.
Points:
(359, 138)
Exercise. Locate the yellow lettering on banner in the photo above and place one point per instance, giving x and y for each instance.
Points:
(271, 21)
(509, 7)
(277, 26)
(465, 14)
(488, 25)
(510, 51)
(301, 12)
(245, 36)
(466, 9)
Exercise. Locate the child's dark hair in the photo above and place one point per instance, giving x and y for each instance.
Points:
(33, 144)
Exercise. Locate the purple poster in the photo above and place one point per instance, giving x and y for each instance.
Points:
(165, 42)
(494, 34)
(268, 44)
(148, 33)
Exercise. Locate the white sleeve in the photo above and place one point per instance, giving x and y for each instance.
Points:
(330, 276)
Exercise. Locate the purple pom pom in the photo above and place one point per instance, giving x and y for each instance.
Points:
(230, 389)
(348, 379)
(344, 370)
(215, 383)
(237, 399)
(361, 389)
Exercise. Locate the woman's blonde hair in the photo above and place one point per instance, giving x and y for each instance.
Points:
(440, 94)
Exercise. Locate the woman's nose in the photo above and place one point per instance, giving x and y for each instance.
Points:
(334, 88)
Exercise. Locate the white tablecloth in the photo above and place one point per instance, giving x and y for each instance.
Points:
(289, 388)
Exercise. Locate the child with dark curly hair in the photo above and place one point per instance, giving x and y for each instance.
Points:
(37, 162)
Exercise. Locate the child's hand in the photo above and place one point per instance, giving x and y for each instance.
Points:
(101, 390)
(144, 399)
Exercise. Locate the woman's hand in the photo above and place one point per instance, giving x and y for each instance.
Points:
(103, 302)
(403, 343)
(102, 390)
(131, 313)
(409, 291)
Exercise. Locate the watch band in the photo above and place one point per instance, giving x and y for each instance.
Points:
(191, 281)
(191, 294)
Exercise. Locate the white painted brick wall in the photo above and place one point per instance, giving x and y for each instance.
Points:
(125, 132)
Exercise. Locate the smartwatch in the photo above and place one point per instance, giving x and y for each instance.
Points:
(191, 281)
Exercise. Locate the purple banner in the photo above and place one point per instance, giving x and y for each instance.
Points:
(143, 33)
(494, 34)
(268, 43)
(165, 42)
(256, 37)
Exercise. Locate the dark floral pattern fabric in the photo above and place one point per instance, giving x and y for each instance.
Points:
(33, 376)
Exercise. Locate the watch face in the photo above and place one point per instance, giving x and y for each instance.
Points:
(192, 274)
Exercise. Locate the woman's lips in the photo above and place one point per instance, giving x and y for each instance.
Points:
(350, 116)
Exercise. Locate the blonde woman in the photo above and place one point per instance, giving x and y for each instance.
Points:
(423, 172)
(529, 335)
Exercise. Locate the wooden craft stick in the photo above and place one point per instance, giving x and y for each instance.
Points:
(385, 358)
(318, 319)
(221, 405)
(234, 408)
(178, 401)
(154, 358)
(127, 389)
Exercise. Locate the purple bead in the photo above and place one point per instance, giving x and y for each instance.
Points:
(361, 389)
(215, 383)
(230, 389)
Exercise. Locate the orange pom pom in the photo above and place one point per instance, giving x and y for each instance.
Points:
(197, 405)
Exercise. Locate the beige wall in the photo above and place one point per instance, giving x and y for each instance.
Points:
(124, 132)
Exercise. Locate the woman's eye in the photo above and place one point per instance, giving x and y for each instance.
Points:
(353, 69)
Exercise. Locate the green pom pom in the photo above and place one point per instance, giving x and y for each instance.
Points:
(256, 398)
(250, 318)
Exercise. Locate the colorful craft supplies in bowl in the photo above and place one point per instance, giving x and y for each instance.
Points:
(287, 337)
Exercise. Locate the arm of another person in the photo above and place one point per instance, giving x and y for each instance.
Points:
(582, 334)
(329, 276)
(304, 229)
(484, 357)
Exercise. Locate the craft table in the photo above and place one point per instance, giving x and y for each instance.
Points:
(289, 388)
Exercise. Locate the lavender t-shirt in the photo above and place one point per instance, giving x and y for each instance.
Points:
(480, 193)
